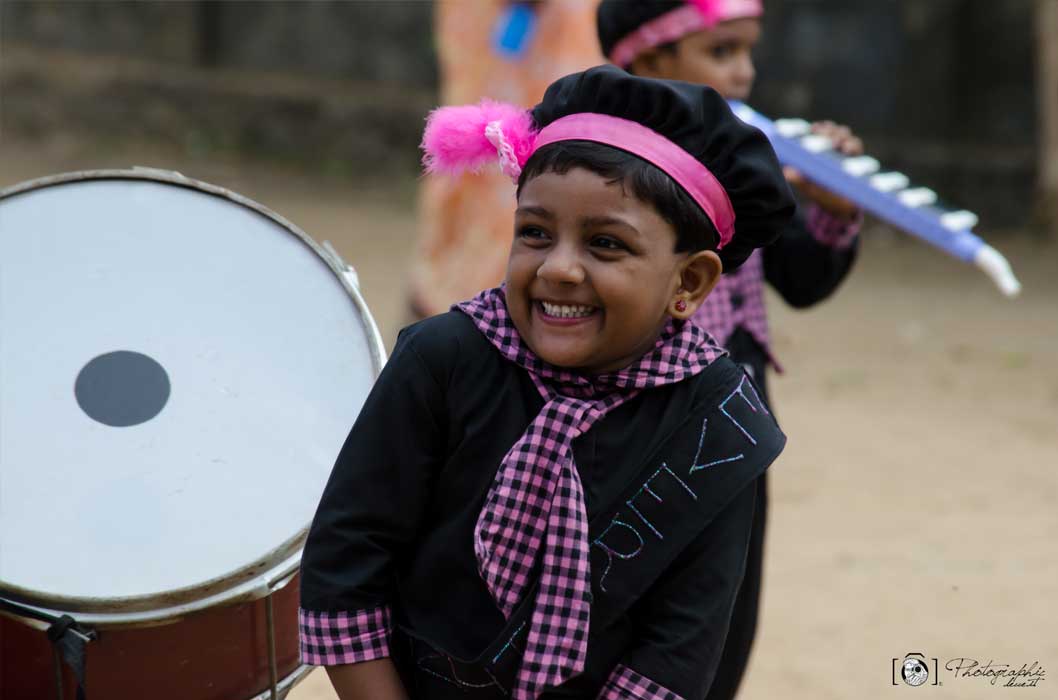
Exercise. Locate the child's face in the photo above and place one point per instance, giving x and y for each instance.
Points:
(721, 57)
(592, 275)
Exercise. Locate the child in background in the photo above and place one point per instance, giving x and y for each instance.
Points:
(710, 42)
(549, 492)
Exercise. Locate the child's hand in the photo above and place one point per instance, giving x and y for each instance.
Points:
(845, 142)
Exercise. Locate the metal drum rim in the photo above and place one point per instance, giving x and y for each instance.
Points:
(247, 583)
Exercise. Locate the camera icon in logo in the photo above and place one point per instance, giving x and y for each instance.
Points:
(914, 670)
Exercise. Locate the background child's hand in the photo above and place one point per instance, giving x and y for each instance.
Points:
(845, 142)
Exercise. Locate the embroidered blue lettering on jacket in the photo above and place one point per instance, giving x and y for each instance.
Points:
(622, 539)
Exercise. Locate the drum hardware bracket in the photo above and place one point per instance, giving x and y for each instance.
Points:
(159, 172)
(70, 625)
(352, 280)
(282, 581)
(347, 270)
(68, 639)
(68, 644)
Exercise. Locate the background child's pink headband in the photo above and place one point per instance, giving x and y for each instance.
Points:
(458, 139)
(695, 16)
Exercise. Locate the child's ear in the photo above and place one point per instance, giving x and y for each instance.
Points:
(699, 273)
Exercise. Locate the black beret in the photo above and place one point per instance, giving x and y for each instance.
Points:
(616, 19)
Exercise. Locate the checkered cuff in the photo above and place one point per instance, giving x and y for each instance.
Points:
(626, 684)
(330, 639)
(832, 230)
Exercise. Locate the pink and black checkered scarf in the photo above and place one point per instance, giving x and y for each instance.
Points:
(535, 508)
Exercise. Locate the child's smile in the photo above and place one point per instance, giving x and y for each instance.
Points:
(591, 273)
(564, 313)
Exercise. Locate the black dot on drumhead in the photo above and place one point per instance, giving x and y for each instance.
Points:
(122, 388)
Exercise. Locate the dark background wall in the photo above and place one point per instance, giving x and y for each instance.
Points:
(383, 40)
(941, 89)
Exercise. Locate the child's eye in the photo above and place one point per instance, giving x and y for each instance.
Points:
(531, 233)
(722, 51)
(608, 243)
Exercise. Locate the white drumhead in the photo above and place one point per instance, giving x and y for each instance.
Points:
(178, 371)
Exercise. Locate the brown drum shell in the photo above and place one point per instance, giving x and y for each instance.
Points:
(216, 654)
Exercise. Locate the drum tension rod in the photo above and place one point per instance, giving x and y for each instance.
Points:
(273, 672)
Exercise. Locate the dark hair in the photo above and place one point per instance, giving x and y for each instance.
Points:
(647, 182)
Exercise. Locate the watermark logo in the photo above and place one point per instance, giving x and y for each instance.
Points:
(915, 670)
(998, 674)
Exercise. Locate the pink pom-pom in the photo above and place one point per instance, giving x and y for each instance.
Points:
(455, 140)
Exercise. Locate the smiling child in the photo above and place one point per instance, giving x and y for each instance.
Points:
(549, 492)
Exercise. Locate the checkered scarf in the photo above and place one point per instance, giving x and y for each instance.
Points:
(534, 511)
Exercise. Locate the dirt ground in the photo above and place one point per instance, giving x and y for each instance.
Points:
(914, 509)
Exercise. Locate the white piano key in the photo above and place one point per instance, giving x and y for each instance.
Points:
(859, 166)
(918, 197)
(998, 268)
(889, 182)
(816, 143)
(961, 220)
(792, 128)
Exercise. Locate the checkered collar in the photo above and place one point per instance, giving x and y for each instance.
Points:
(681, 350)
(535, 511)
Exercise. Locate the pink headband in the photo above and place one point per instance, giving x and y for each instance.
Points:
(695, 16)
(633, 137)
(458, 139)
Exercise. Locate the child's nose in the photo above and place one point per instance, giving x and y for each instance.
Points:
(561, 266)
(747, 72)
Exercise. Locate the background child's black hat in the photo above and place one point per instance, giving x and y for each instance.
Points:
(627, 28)
(616, 19)
(697, 120)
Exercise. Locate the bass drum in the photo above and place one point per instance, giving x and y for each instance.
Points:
(179, 367)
